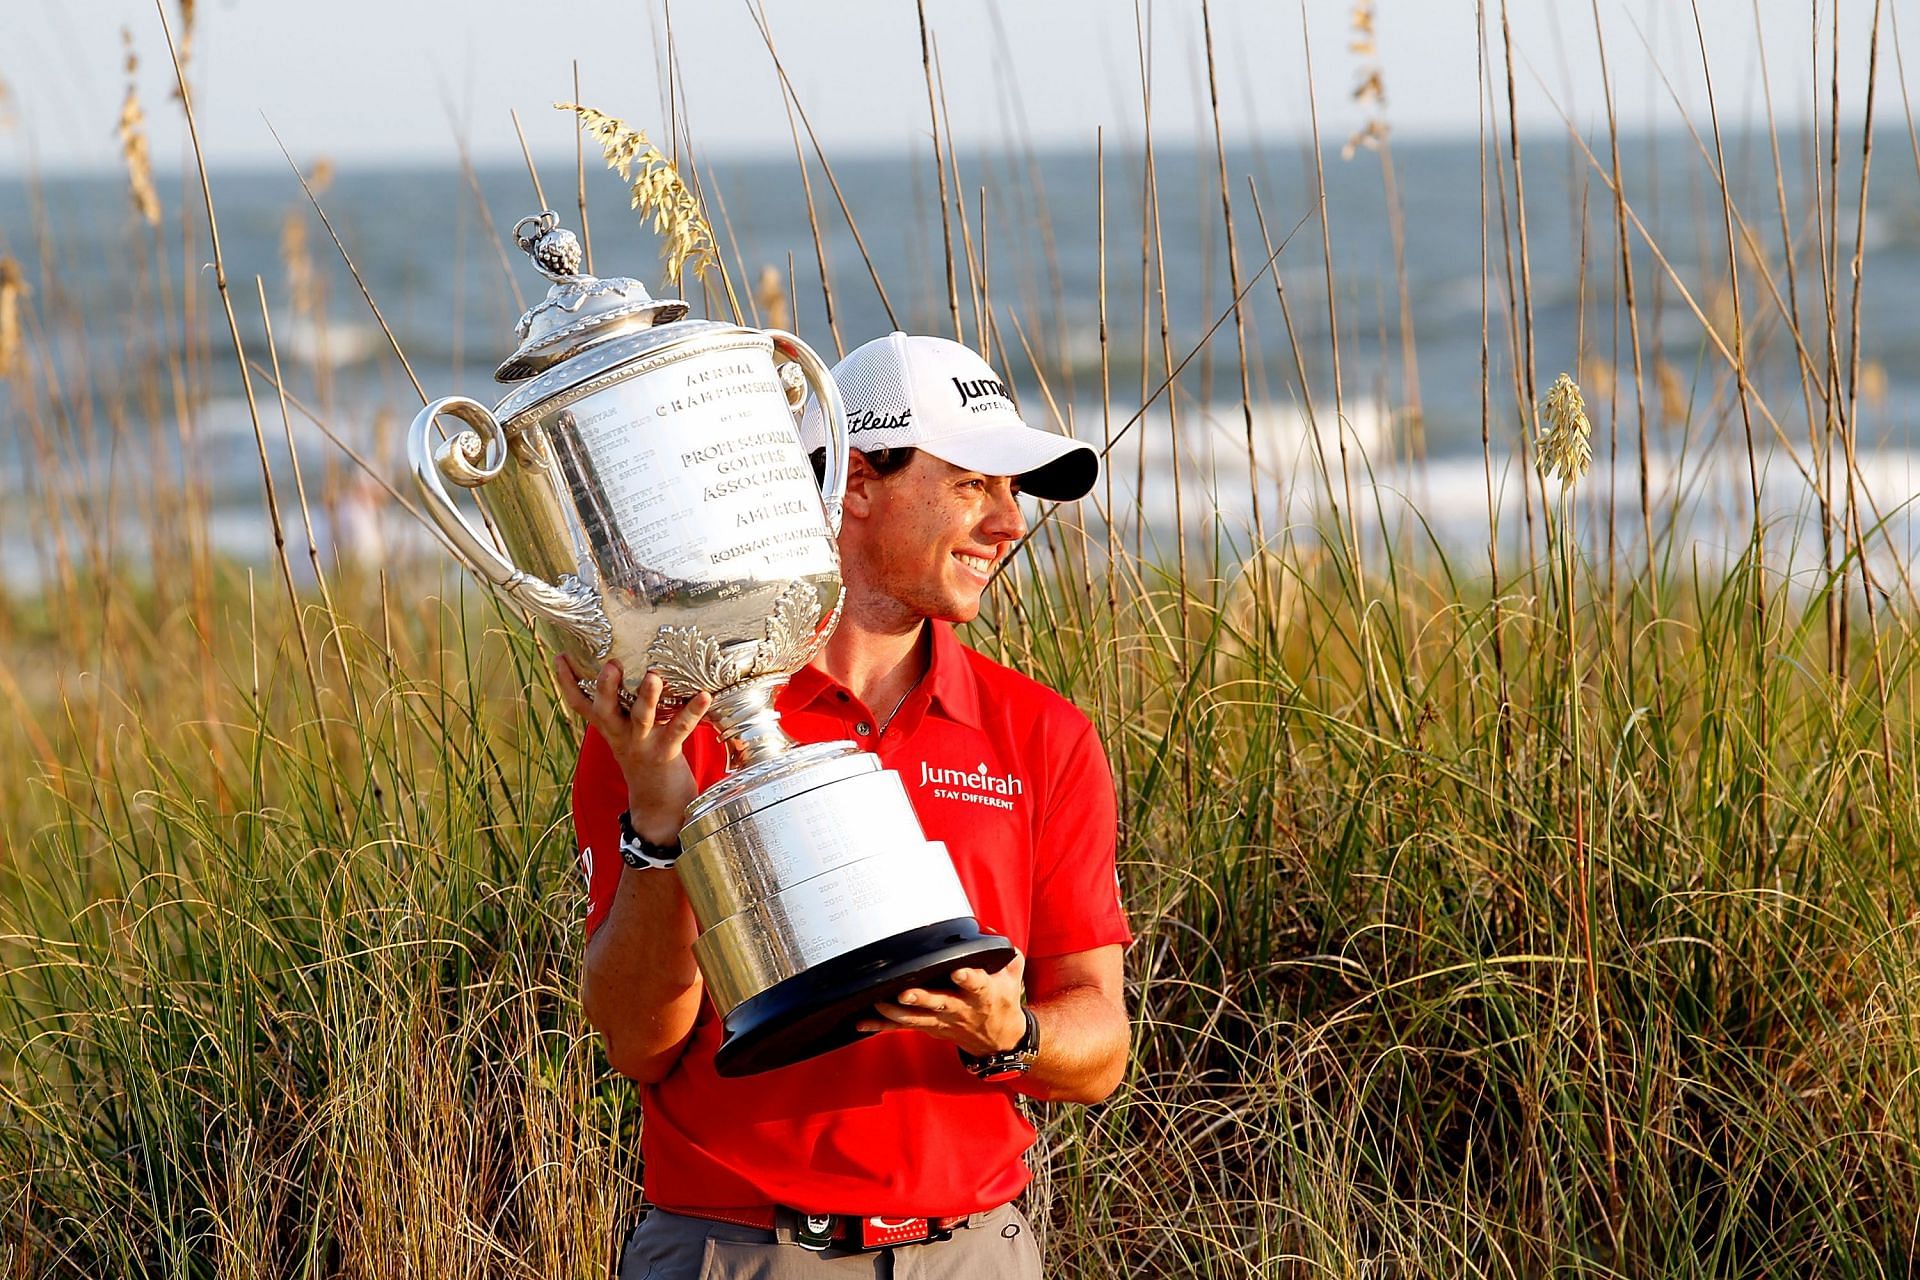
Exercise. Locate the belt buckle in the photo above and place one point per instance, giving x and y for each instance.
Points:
(884, 1232)
(813, 1231)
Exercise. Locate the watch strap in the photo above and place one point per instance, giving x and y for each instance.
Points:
(643, 854)
(1008, 1064)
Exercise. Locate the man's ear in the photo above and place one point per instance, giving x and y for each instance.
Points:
(861, 479)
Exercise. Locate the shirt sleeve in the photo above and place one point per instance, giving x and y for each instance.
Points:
(599, 798)
(1076, 888)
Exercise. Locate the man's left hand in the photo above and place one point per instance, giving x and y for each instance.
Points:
(981, 1013)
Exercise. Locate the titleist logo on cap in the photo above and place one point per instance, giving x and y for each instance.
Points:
(979, 388)
(859, 420)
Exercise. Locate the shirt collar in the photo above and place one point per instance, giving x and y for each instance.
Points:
(950, 682)
(951, 677)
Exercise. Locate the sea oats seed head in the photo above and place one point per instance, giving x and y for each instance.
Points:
(655, 190)
(1873, 384)
(13, 291)
(297, 262)
(1370, 86)
(1369, 138)
(1566, 437)
(1675, 401)
(770, 295)
(133, 152)
(132, 132)
(182, 45)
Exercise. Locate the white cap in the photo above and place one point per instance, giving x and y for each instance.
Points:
(908, 391)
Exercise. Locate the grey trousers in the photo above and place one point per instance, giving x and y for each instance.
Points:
(995, 1245)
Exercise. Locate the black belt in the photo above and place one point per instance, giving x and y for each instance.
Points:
(820, 1231)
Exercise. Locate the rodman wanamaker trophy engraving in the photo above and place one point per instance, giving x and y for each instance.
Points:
(645, 481)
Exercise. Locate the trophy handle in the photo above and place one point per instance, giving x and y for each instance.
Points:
(572, 606)
(833, 485)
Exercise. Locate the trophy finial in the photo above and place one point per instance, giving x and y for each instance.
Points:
(554, 249)
(579, 309)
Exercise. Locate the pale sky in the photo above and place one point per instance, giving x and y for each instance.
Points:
(400, 80)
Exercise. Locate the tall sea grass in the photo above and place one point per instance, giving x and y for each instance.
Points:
(1546, 911)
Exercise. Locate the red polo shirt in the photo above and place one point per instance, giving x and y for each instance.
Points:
(1011, 777)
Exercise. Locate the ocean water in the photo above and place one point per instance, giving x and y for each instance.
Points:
(432, 246)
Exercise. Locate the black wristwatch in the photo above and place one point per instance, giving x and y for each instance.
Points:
(1008, 1064)
(643, 854)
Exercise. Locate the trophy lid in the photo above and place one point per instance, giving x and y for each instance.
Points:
(579, 310)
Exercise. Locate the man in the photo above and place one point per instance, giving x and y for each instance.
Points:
(911, 1134)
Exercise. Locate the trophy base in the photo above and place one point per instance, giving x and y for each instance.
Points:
(817, 1011)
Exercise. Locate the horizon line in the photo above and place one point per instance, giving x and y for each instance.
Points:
(749, 153)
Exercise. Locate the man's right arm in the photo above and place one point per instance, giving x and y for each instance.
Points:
(640, 987)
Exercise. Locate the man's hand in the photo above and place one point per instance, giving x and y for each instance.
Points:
(981, 1013)
(659, 783)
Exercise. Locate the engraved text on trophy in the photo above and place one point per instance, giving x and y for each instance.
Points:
(696, 483)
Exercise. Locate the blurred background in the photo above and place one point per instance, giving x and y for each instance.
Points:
(810, 135)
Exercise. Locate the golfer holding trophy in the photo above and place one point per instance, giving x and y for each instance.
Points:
(851, 884)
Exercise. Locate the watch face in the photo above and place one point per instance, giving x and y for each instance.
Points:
(1010, 1065)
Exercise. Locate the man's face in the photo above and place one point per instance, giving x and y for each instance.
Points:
(929, 536)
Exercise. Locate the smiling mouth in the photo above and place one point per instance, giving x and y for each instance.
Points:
(980, 566)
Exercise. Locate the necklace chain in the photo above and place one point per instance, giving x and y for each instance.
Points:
(903, 702)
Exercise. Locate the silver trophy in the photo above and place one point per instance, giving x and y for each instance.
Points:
(652, 505)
